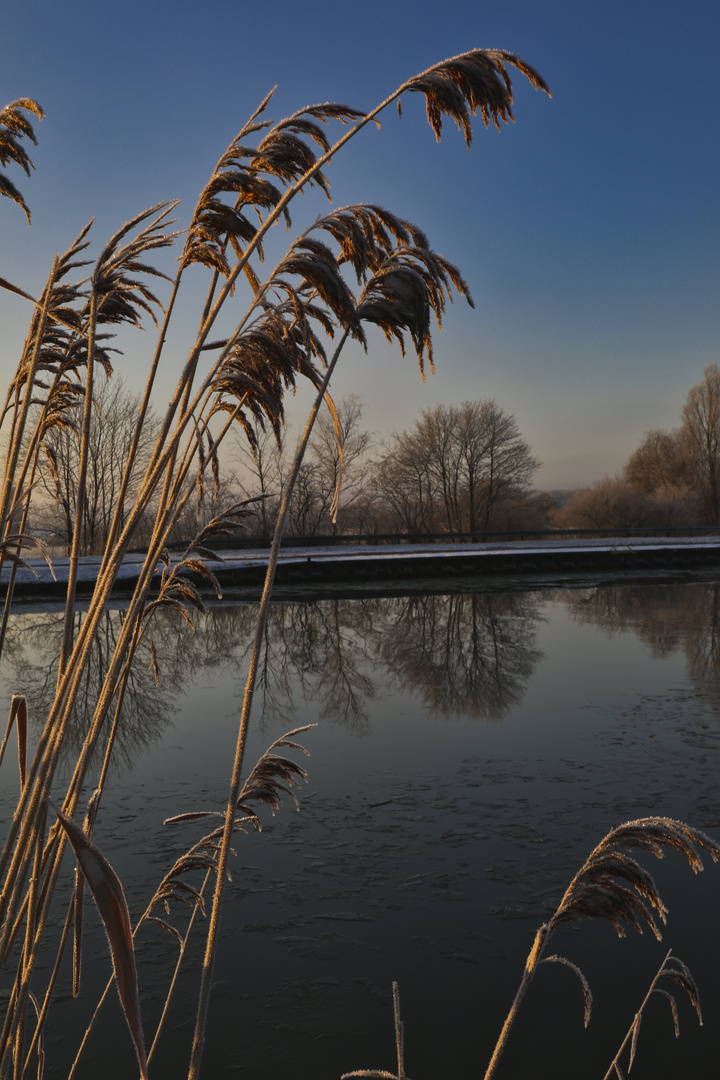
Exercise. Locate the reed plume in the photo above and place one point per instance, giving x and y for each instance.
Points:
(278, 337)
(15, 126)
(612, 885)
(273, 777)
(609, 885)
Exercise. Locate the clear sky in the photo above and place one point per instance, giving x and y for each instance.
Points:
(588, 231)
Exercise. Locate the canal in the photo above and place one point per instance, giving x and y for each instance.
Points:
(470, 749)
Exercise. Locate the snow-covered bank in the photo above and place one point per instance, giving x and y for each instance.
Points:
(400, 559)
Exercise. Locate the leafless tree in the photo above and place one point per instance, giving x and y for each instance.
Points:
(335, 464)
(329, 491)
(660, 462)
(673, 478)
(260, 472)
(701, 430)
(403, 486)
(111, 433)
(456, 469)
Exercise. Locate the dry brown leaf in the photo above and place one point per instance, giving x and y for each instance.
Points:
(108, 894)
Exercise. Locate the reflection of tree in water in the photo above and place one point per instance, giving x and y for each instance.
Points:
(703, 647)
(315, 652)
(464, 655)
(666, 618)
(30, 660)
(333, 653)
(468, 655)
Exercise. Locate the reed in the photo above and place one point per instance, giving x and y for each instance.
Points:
(399, 1045)
(611, 884)
(14, 127)
(355, 266)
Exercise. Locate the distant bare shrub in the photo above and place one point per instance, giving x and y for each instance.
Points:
(680, 469)
(614, 503)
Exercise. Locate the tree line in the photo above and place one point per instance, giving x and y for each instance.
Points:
(457, 469)
(671, 480)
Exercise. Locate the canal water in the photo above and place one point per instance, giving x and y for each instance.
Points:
(469, 752)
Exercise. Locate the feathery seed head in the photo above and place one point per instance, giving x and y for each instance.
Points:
(474, 81)
(412, 283)
(600, 888)
(120, 297)
(14, 127)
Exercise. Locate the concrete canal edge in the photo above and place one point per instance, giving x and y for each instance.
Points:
(478, 560)
(357, 565)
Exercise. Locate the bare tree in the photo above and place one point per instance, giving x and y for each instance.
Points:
(661, 461)
(210, 500)
(611, 503)
(404, 491)
(111, 433)
(502, 471)
(673, 478)
(701, 430)
(329, 490)
(456, 469)
(336, 458)
(260, 464)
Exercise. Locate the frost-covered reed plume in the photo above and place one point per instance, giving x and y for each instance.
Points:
(355, 266)
(14, 127)
(611, 884)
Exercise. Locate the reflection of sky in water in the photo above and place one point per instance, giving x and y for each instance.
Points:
(428, 849)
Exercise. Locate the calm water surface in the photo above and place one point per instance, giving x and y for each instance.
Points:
(469, 752)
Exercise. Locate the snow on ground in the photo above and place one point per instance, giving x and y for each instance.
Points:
(38, 571)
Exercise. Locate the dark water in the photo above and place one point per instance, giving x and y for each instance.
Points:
(470, 751)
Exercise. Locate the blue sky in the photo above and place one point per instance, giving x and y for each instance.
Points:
(588, 231)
